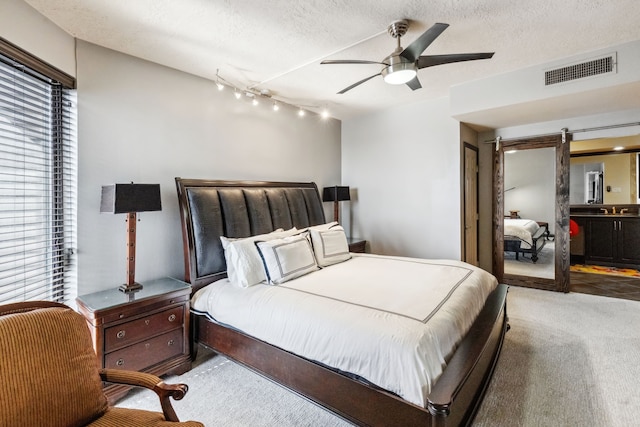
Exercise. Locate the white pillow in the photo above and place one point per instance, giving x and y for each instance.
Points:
(320, 226)
(287, 258)
(244, 265)
(330, 245)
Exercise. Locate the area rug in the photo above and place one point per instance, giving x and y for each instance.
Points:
(598, 269)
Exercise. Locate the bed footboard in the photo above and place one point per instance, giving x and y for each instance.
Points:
(456, 396)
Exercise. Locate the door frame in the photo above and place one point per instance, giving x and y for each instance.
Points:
(476, 208)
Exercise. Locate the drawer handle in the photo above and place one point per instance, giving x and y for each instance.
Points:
(120, 362)
(146, 322)
(170, 343)
(120, 334)
(147, 345)
(172, 318)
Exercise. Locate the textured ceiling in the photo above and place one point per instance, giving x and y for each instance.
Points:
(277, 45)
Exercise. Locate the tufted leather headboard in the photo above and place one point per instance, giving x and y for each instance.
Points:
(210, 209)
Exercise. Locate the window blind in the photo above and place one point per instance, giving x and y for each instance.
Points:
(38, 181)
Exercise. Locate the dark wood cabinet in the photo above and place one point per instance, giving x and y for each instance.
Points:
(601, 244)
(357, 245)
(629, 241)
(144, 331)
(613, 240)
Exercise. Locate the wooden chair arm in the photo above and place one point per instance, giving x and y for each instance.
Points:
(152, 382)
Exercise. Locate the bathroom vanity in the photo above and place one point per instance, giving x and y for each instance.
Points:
(606, 238)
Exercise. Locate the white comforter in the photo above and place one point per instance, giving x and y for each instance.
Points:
(523, 229)
(393, 321)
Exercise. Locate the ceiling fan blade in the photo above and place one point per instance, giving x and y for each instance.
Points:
(350, 61)
(432, 60)
(415, 49)
(414, 83)
(357, 84)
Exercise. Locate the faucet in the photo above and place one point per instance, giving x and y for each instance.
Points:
(606, 212)
(614, 210)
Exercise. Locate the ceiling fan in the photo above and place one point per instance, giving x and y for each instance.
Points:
(402, 65)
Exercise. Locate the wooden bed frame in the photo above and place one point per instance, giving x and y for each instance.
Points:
(209, 209)
(539, 238)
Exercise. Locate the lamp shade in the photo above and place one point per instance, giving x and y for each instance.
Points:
(335, 194)
(124, 198)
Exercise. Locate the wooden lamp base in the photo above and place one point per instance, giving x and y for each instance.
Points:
(131, 285)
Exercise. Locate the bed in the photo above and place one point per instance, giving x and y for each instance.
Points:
(211, 209)
(524, 236)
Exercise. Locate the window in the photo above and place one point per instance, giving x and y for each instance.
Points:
(37, 181)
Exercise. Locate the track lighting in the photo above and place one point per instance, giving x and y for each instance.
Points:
(218, 82)
(253, 94)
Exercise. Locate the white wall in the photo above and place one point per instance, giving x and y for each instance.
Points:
(404, 167)
(146, 123)
(531, 176)
(27, 28)
(521, 97)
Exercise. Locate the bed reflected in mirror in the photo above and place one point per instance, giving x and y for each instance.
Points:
(529, 212)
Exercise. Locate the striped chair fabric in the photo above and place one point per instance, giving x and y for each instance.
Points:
(50, 374)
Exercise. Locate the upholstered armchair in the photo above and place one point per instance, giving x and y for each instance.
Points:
(49, 374)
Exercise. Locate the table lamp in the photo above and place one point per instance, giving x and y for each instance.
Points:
(130, 199)
(335, 194)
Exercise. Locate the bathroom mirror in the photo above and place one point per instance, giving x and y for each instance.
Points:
(604, 171)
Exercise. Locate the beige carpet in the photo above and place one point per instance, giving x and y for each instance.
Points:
(523, 266)
(568, 360)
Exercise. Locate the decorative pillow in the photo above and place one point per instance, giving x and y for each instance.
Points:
(287, 258)
(244, 265)
(330, 245)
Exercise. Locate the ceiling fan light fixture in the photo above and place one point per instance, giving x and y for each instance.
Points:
(399, 73)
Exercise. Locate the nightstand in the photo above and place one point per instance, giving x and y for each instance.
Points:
(356, 245)
(144, 331)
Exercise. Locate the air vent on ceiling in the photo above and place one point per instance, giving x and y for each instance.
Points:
(594, 67)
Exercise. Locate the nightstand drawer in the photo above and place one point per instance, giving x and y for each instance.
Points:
(146, 353)
(128, 311)
(124, 334)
